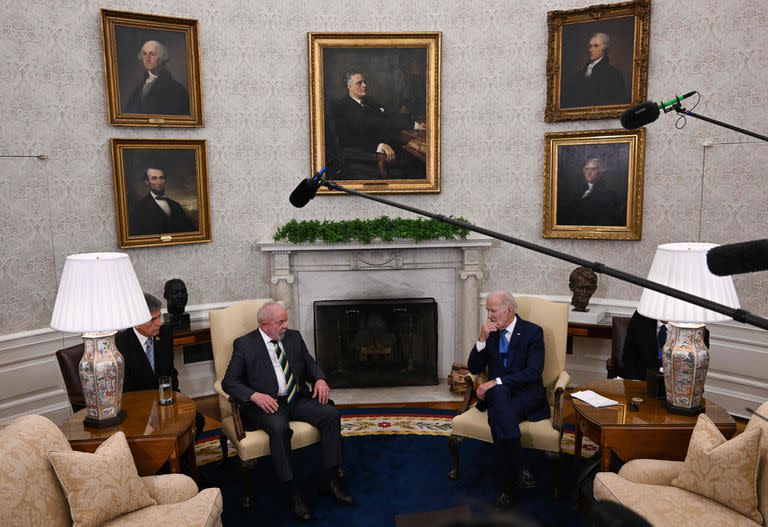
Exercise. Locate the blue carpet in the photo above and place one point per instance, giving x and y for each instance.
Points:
(389, 475)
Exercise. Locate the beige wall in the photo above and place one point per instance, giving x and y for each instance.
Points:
(255, 94)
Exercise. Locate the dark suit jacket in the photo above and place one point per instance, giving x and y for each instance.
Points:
(250, 369)
(165, 97)
(363, 128)
(138, 372)
(146, 217)
(604, 86)
(640, 350)
(524, 366)
(602, 206)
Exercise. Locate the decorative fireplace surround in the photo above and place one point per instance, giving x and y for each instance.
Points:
(450, 271)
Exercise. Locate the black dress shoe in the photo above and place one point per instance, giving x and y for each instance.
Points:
(338, 493)
(299, 510)
(526, 480)
(504, 501)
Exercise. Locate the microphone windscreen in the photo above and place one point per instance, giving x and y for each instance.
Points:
(640, 115)
(738, 258)
(303, 192)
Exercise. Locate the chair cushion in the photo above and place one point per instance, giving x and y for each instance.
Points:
(255, 444)
(540, 435)
(202, 510)
(724, 471)
(103, 485)
(664, 505)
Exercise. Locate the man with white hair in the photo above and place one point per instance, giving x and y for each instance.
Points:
(512, 349)
(158, 92)
(597, 82)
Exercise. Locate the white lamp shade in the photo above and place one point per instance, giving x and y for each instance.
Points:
(683, 266)
(98, 292)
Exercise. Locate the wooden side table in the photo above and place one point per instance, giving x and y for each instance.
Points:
(155, 433)
(650, 432)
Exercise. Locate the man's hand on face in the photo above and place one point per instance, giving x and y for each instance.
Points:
(486, 329)
(322, 391)
(265, 402)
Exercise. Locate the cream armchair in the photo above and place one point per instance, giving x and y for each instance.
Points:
(30, 493)
(226, 325)
(645, 486)
(540, 435)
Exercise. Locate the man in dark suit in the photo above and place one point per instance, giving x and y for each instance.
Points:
(156, 213)
(147, 351)
(364, 125)
(267, 375)
(513, 351)
(597, 83)
(591, 202)
(157, 92)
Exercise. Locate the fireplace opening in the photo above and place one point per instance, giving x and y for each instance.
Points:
(366, 343)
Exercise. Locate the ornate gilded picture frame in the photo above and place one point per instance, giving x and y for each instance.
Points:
(161, 192)
(597, 65)
(374, 102)
(152, 70)
(593, 184)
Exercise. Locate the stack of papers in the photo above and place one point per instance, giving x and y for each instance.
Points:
(593, 399)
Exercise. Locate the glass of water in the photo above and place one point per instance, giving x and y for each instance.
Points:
(166, 393)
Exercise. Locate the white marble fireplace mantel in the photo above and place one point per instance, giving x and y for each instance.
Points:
(450, 271)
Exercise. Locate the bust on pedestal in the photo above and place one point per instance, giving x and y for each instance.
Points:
(175, 294)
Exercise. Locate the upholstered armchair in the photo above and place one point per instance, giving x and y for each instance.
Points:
(226, 325)
(645, 486)
(31, 495)
(613, 364)
(69, 363)
(541, 435)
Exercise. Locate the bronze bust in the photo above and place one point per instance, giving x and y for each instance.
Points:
(582, 283)
(175, 294)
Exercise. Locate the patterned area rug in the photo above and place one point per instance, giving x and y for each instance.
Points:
(386, 421)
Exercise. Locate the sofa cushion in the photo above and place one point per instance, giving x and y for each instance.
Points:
(202, 510)
(663, 505)
(103, 485)
(725, 471)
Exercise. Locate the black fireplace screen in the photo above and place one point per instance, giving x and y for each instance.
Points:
(362, 343)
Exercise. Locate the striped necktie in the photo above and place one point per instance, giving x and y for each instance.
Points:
(150, 347)
(290, 382)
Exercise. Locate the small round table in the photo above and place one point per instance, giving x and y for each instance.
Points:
(155, 433)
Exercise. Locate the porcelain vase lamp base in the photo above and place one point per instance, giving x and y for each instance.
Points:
(685, 361)
(102, 371)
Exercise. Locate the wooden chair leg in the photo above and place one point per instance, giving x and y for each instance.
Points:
(224, 443)
(246, 472)
(454, 442)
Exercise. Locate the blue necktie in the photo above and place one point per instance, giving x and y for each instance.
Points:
(151, 352)
(503, 346)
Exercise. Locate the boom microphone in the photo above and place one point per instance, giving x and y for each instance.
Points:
(307, 188)
(647, 112)
(738, 258)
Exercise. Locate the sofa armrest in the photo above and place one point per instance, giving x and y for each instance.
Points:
(170, 488)
(651, 471)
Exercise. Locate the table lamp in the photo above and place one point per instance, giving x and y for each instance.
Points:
(685, 357)
(98, 295)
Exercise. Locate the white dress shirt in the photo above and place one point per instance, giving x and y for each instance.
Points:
(281, 388)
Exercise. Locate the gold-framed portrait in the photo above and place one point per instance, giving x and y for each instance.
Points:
(597, 65)
(161, 191)
(593, 184)
(152, 70)
(374, 103)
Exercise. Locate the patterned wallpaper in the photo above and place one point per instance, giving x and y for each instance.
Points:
(255, 95)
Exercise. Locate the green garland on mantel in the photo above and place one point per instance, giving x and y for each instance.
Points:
(365, 231)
